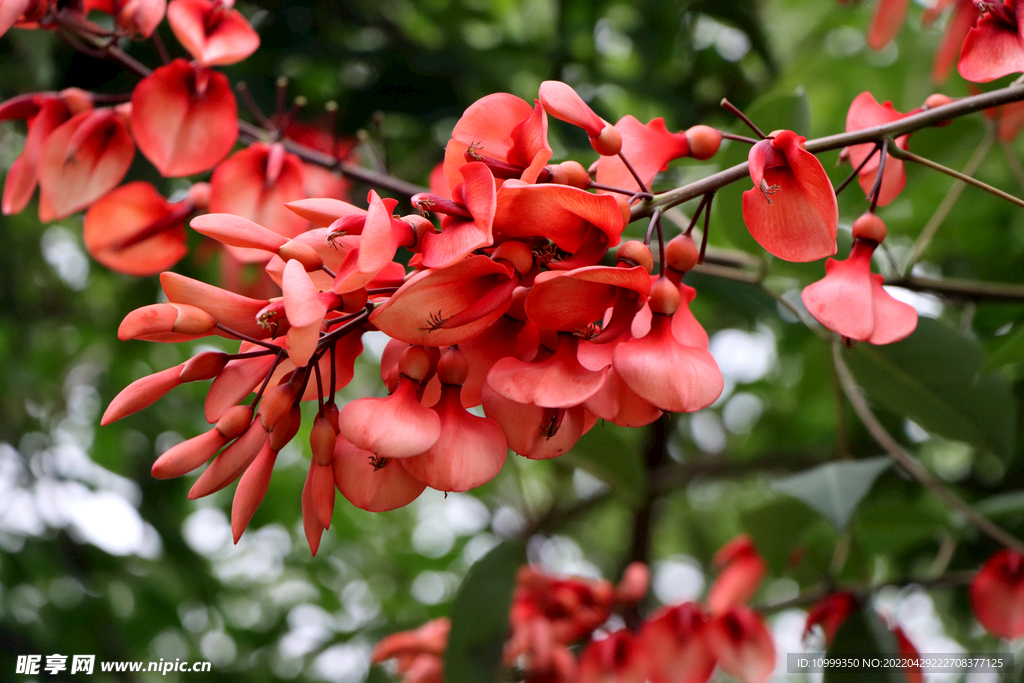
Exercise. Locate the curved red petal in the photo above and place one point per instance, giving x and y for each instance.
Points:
(469, 453)
(843, 300)
(212, 32)
(894, 320)
(371, 483)
(116, 228)
(180, 129)
(990, 51)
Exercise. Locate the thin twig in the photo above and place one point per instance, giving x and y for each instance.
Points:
(856, 171)
(908, 462)
(910, 156)
(732, 109)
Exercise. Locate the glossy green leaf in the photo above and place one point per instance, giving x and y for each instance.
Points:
(934, 377)
(835, 489)
(480, 616)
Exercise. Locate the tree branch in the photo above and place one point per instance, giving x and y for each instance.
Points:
(909, 124)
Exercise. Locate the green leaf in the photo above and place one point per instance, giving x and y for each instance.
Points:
(613, 454)
(777, 529)
(835, 489)
(1010, 351)
(1002, 504)
(863, 635)
(480, 616)
(934, 378)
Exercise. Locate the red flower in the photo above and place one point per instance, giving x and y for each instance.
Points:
(792, 210)
(213, 32)
(886, 22)
(742, 571)
(619, 658)
(997, 594)
(995, 46)
(743, 645)
(83, 159)
(184, 118)
(865, 112)
(851, 301)
(830, 612)
(676, 639)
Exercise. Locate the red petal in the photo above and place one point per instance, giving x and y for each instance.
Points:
(236, 381)
(233, 310)
(141, 393)
(560, 213)
(469, 452)
(71, 177)
(116, 228)
(842, 301)
(24, 172)
(798, 221)
(673, 377)
(324, 212)
(886, 23)
(991, 50)
(236, 231)
(188, 455)
(212, 32)
(743, 645)
(957, 28)
(460, 237)
(649, 149)
(894, 320)
(251, 490)
(571, 300)
(241, 186)
(557, 382)
(446, 293)
(180, 129)
(379, 488)
(394, 427)
(534, 432)
(562, 102)
(487, 124)
(232, 461)
(676, 642)
(997, 595)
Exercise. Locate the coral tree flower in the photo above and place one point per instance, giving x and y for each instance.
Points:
(562, 102)
(184, 118)
(742, 644)
(994, 47)
(505, 133)
(83, 159)
(212, 31)
(866, 112)
(676, 640)
(851, 301)
(742, 572)
(661, 369)
(997, 595)
(886, 22)
(135, 231)
(792, 210)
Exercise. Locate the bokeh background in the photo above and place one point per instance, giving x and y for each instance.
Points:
(96, 557)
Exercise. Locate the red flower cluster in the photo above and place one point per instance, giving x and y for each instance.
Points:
(182, 116)
(677, 644)
(507, 306)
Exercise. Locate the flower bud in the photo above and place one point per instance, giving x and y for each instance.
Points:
(635, 253)
(235, 421)
(415, 363)
(517, 253)
(276, 403)
(869, 227)
(301, 252)
(285, 429)
(681, 254)
(321, 440)
(569, 173)
(609, 142)
(206, 365)
(453, 368)
(664, 297)
(704, 142)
